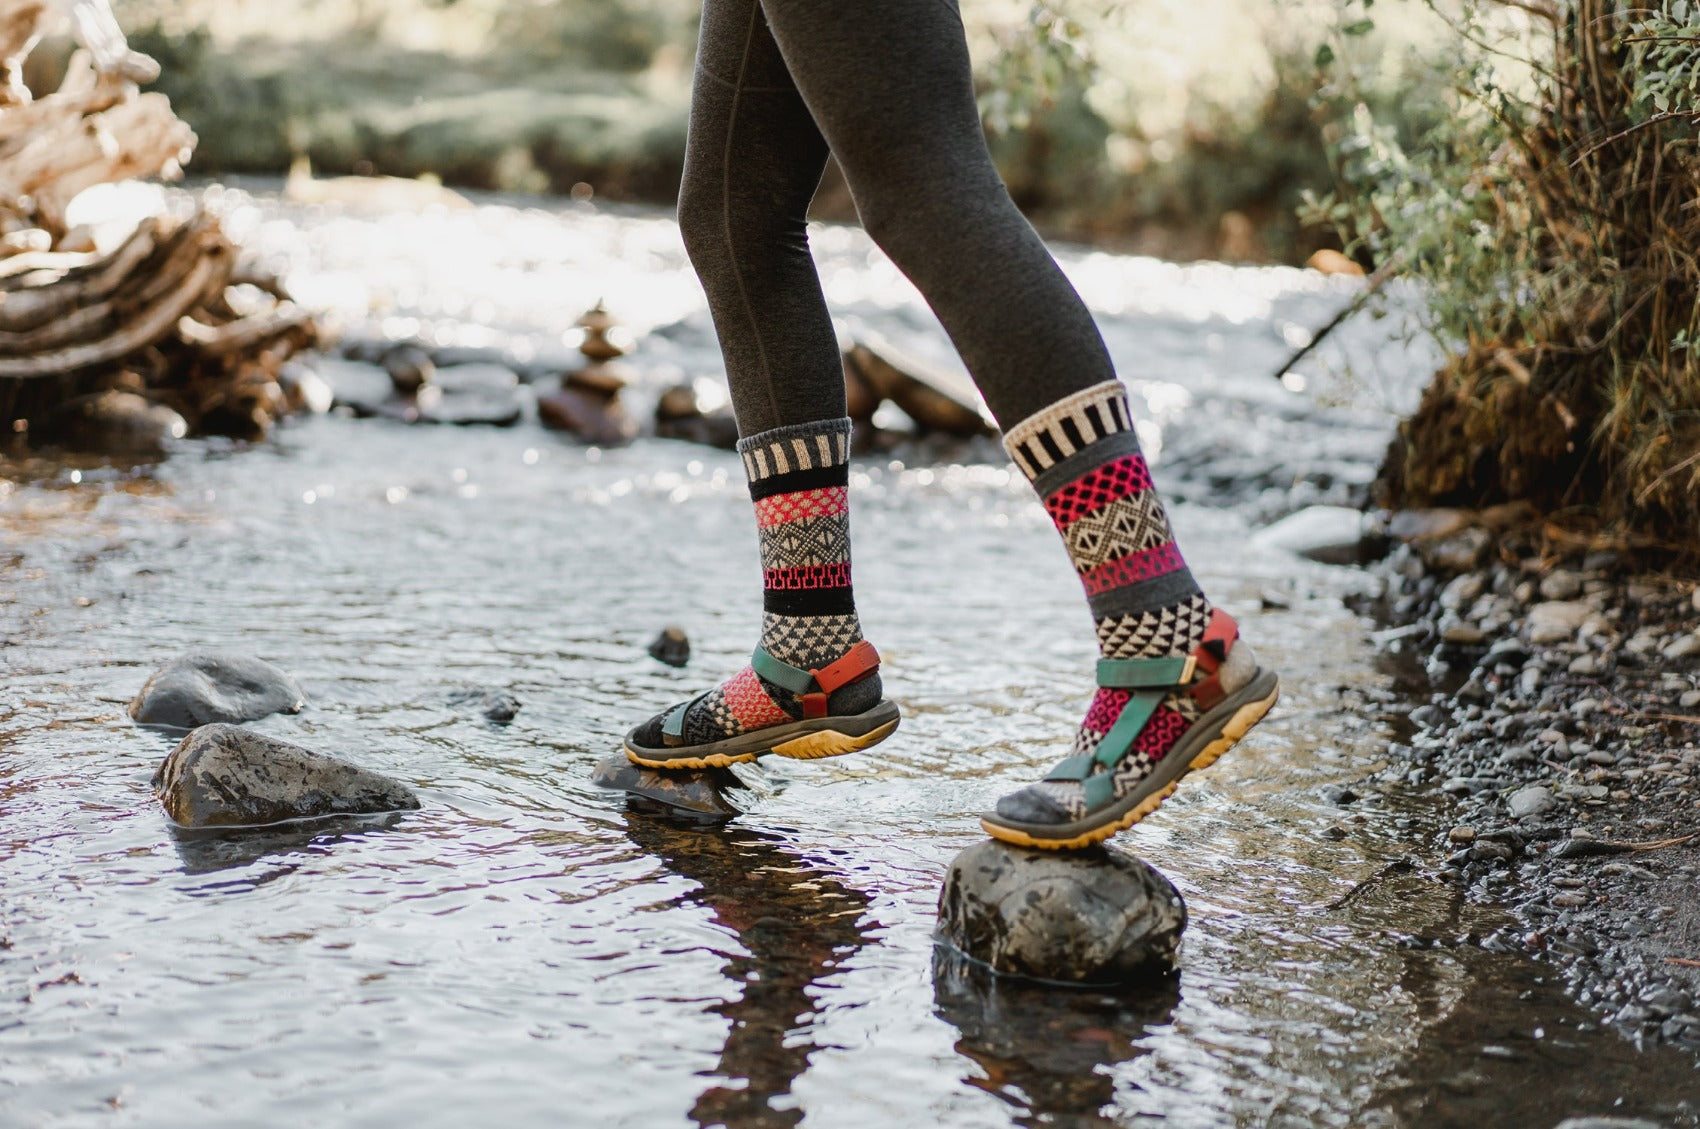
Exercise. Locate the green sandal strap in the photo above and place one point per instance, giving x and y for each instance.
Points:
(673, 725)
(1146, 674)
(783, 674)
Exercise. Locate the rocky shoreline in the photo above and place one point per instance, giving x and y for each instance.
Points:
(1563, 727)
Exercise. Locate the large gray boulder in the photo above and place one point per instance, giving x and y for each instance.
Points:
(208, 686)
(227, 776)
(1100, 916)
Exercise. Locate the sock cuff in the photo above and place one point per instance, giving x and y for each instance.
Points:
(1071, 424)
(800, 447)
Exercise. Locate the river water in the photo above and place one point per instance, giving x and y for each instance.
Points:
(527, 950)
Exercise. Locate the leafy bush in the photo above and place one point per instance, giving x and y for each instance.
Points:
(1550, 219)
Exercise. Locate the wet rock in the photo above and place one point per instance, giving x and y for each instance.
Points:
(672, 646)
(1580, 847)
(1556, 620)
(708, 792)
(1100, 916)
(1560, 585)
(1461, 591)
(1338, 795)
(212, 686)
(679, 415)
(112, 423)
(593, 416)
(409, 367)
(1531, 800)
(1683, 647)
(1463, 634)
(305, 390)
(1425, 525)
(496, 705)
(1431, 716)
(227, 776)
(1330, 534)
(934, 399)
(1462, 834)
(1689, 699)
(1460, 552)
(354, 385)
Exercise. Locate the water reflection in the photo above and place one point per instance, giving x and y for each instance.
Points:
(205, 851)
(1044, 1050)
(797, 924)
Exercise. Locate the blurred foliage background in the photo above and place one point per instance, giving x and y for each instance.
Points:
(1178, 127)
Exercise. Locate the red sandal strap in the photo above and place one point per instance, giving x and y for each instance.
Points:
(1210, 654)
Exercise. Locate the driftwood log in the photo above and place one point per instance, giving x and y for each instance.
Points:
(165, 314)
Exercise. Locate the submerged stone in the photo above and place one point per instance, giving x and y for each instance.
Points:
(1101, 916)
(698, 792)
(209, 686)
(496, 705)
(227, 776)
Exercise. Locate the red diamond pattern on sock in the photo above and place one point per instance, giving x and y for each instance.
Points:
(1119, 478)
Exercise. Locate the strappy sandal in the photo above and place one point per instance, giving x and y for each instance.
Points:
(819, 733)
(1226, 718)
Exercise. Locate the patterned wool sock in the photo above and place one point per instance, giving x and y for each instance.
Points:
(800, 483)
(1083, 458)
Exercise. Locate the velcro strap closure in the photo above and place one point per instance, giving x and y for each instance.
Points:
(861, 661)
(1076, 767)
(858, 662)
(795, 679)
(1144, 674)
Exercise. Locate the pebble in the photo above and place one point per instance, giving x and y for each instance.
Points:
(672, 646)
(1464, 634)
(1607, 1123)
(1569, 900)
(1560, 585)
(1584, 664)
(1460, 552)
(1556, 621)
(1689, 700)
(1333, 832)
(1694, 599)
(1683, 648)
(1531, 800)
(1463, 833)
(1461, 590)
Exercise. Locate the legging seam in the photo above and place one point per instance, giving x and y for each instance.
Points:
(726, 211)
(730, 85)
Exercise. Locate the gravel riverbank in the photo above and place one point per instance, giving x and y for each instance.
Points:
(1564, 726)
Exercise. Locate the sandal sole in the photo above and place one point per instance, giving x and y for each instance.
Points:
(1232, 731)
(815, 745)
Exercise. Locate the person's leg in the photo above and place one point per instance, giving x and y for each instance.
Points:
(890, 87)
(753, 161)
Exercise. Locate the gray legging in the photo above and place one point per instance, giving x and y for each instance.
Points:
(886, 85)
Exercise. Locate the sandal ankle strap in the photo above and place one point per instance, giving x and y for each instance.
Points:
(814, 687)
